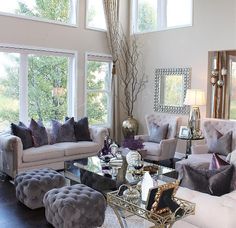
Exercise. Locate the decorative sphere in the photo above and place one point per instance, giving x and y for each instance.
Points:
(220, 82)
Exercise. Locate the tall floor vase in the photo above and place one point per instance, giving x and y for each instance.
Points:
(130, 127)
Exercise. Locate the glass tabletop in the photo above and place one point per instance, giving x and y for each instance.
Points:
(102, 175)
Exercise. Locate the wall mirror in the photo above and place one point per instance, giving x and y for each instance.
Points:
(221, 90)
(171, 85)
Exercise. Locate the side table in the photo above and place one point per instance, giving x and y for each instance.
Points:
(189, 142)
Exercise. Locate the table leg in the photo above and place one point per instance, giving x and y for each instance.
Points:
(188, 147)
(121, 220)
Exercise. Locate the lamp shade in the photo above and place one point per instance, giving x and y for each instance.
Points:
(195, 97)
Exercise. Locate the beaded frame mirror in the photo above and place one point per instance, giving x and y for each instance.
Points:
(171, 85)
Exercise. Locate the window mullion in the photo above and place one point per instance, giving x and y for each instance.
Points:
(23, 88)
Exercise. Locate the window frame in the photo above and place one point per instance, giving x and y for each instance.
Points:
(86, 21)
(91, 56)
(24, 51)
(74, 17)
(162, 17)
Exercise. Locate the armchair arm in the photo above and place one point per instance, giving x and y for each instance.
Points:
(200, 149)
(145, 138)
(98, 134)
(168, 147)
(12, 151)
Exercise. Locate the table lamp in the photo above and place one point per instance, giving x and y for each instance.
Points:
(195, 98)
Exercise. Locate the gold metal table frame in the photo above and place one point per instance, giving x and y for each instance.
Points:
(165, 220)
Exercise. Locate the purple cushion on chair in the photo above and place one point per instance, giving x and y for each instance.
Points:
(221, 144)
(23, 133)
(158, 133)
(63, 132)
(39, 133)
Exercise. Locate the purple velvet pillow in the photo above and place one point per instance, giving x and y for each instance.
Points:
(63, 132)
(217, 162)
(221, 144)
(81, 127)
(215, 182)
(23, 133)
(39, 133)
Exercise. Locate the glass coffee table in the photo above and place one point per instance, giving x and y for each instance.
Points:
(105, 177)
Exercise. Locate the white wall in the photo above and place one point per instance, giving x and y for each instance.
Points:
(40, 34)
(214, 28)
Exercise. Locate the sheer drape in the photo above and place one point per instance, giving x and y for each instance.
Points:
(111, 9)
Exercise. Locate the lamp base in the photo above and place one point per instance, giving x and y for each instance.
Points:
(194, 122)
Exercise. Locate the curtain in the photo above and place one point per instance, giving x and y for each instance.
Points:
(111, 9)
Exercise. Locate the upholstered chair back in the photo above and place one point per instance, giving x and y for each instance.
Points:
(162, 118)
(223, 126)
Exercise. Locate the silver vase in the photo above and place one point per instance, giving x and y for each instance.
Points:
(130, 127)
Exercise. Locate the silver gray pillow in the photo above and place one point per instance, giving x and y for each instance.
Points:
(221, 144)
(158, 133)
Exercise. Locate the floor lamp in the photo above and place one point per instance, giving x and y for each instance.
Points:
(195, 98)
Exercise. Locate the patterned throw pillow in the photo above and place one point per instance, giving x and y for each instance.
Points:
(39, 133)
(221, 144)
(63, 132)
(158, 133)
(23, 133)
(81, 127)
(214, 182)
(217, 162)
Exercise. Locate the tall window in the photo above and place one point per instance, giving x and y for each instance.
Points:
(156, 15)
(35, 84)
(95, 18)
(62, 11)
(98, 91)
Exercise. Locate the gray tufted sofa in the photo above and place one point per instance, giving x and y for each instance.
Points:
(32, 185)
(74, 206)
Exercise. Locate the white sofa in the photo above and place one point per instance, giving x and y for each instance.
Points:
(14, 159)
(210, 211)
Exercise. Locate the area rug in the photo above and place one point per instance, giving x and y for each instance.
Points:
(111, 221)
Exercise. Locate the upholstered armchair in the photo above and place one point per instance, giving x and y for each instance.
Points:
(165, 149)
(208, 127)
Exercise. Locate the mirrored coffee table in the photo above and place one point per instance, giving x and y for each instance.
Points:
(105, 177)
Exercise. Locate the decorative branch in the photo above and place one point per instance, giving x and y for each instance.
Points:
(128, 60)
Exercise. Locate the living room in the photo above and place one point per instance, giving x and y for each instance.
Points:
(79, 42)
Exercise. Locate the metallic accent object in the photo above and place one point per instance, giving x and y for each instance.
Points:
(119, 204)
(160, 76)
(195, 98)
(130, 127)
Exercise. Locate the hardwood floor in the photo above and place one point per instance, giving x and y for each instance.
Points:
(14, 214)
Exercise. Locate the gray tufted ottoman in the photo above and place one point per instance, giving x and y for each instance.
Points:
(32, 185)
(74, 206)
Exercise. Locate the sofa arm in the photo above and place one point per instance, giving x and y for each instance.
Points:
(98, 134)
(12, 149)
(145, 138)
(168, 147)
(200, 149)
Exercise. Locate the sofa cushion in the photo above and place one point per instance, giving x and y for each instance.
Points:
(23, 133)
(215, 182)
(158, 133)
(46, 152)
(83, 147)
(63, 132)
(39, 133)
(220, 143)
(153, 148)
(217, 162)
